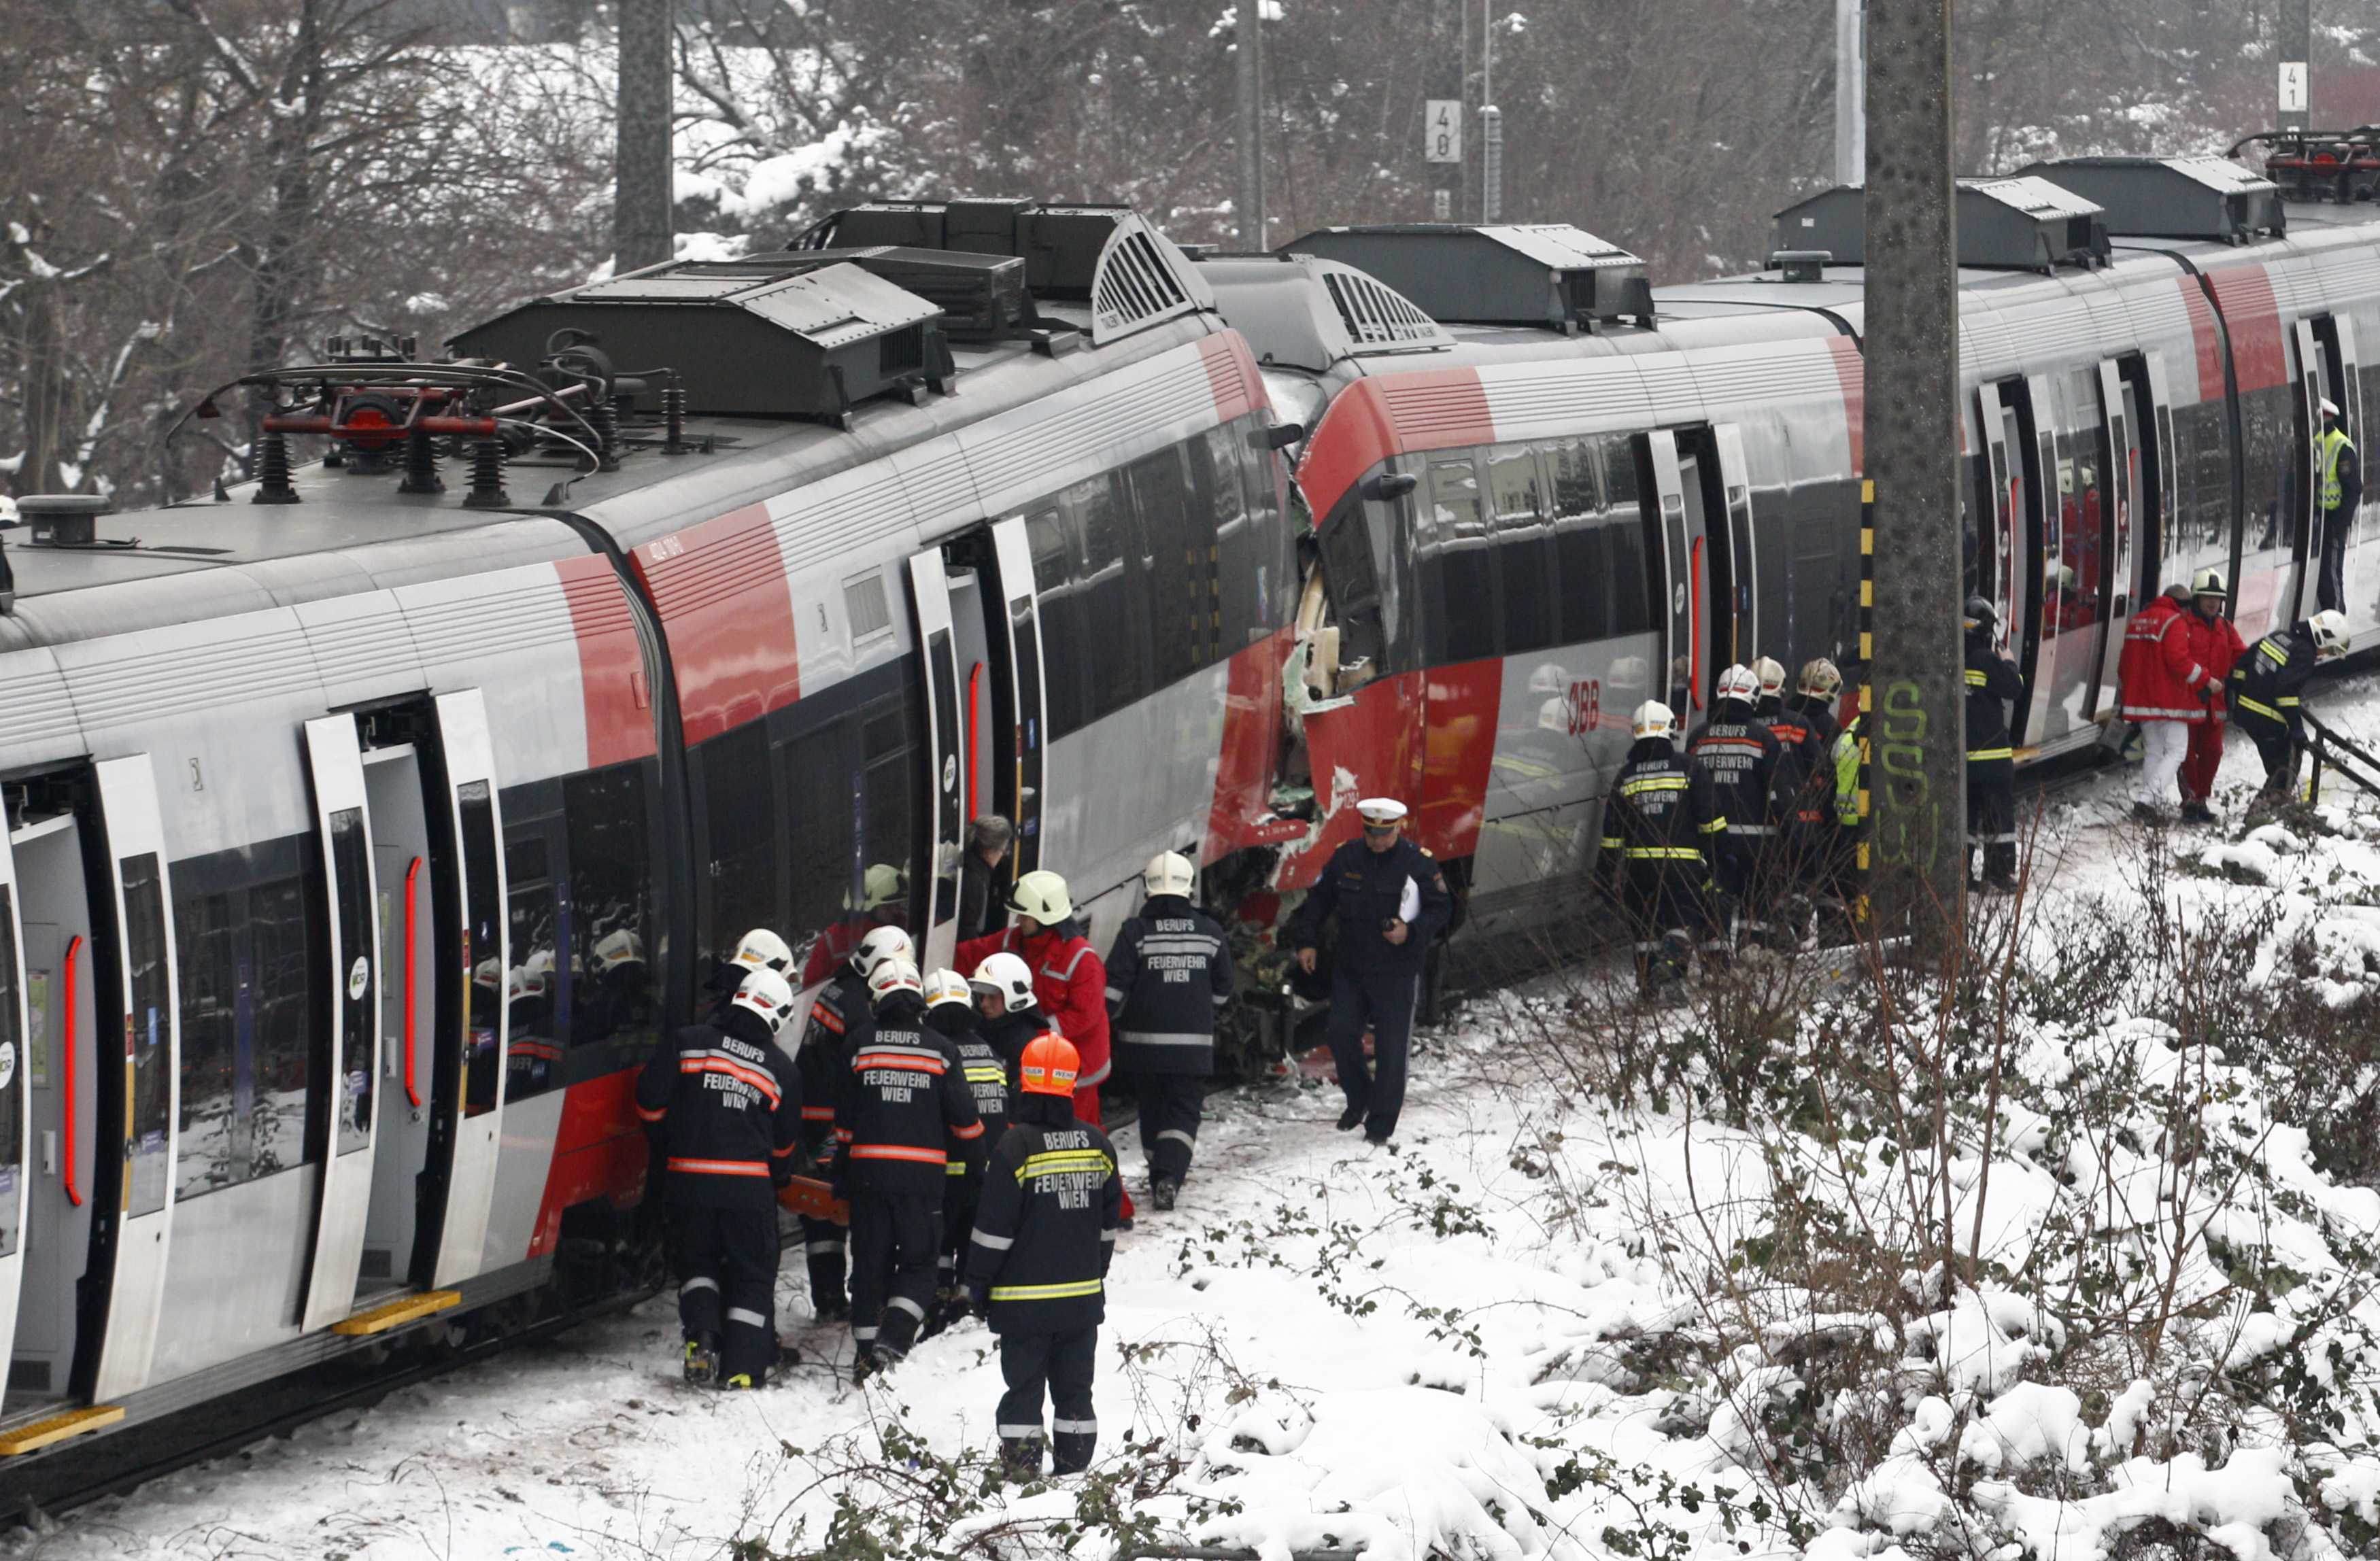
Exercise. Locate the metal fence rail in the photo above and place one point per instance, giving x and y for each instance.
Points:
(2334, 752)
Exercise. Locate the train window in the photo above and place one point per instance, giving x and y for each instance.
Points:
(352, 988)
(151, 1020)
(739, 839)
(1457, 566)
(1175, 564)
(1049, 535)
(1351, 577)
(1216, 462)
(1114, 590)
(484, 990)
(1524, 561)
(536, 998)
(610, 967)
(823, 811)
(12, 1048)
(1581, 555)
(1636, 584)
(249, 948)
(890, 833)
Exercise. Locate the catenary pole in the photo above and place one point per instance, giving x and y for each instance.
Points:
(1917, 776)
(1850, 79)
(1251, 194)
(2296, 38)
(641, 200)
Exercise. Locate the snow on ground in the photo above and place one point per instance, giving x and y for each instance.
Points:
(1710, 1312)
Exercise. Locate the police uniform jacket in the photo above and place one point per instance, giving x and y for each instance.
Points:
(1992, 680)
(1658, 817)
(1738, 755)
(1169, 976)
(1045, 1227)
(729, 1104)
(905, 1099)
(1365, 888)
(2268, 683)
(838, 1015)
(1803, 723)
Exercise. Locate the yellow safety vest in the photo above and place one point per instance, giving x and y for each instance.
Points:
(2327, 445)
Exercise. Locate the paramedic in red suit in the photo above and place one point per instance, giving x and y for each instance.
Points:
(1069, 978)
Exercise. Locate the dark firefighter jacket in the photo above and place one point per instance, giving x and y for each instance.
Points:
(838, 1015)
(1013, 1032)
(1365, 888)
(1992, 679)
(986, 1072)
(904, 1100)
(1047, 1225)
(1740, 755)
(2268, 683)
(1169, 976)
(730, 1105)
(1658, 817)
(1806, 729)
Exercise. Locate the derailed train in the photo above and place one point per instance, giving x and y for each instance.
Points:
(387, 811)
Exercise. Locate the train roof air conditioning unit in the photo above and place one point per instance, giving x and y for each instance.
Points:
(1548, 276)
(2013, 224)
(2208, 197)
(768, 336)
(1300, 312)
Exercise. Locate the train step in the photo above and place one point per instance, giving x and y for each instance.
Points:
(57, 1428)
(397, 1313)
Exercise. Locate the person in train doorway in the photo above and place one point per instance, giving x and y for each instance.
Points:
(1169, 982)
(2162, 686)
(1738, 757)
(951, 1013)
(1068, 978)
(989, 838)
(728, 1103)
(904, 1101)
(1659, 825)
(2215, 641)
(2339, 494)
(1993, 682)
(1794, 806)
(2268, 691)
(1036, 1261)
(1390, 900)
(840, 1018)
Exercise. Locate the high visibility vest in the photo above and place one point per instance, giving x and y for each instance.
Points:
(2327, 445)
(1846, 758)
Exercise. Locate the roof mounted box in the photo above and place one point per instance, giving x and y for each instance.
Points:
(2014, 224)
(1551, 275)
(2209, 197)
(2342, 166)
(768, 336)
(1301, 312)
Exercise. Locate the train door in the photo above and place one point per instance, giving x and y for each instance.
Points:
(1735, 484)
(1683, 566)
(2298, 588)
(970, 630)
(2126, 517)
(2019, 462)
(406, 974)
(1017, 752)
(930, 600)
(472, 931)
(15, 1117)
(2077, 549)
(343, 836)
(2333, 350)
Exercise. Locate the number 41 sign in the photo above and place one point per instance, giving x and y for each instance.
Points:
(1442, 130)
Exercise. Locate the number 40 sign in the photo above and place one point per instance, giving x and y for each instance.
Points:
(1442, 130)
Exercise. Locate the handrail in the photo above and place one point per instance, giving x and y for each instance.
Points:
(412, 881)
(2325, 741)
(74, 946)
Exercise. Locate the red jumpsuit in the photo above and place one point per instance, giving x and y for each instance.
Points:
(2216, 643)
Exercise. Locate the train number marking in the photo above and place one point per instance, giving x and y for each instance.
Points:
(667, 549)
(1586, 702)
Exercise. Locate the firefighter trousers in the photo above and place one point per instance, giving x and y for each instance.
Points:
(896, 1238)
(1062, 1362)
(1382, 1001)
(726, 1265)
(961, 1194)
(1991, 815)
(2279, 753)
(823, 1244)
(1171, 1105)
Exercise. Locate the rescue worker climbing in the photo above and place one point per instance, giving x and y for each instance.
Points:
(1659, 824)
(951, 1011)
(2165, 689)
(2215, 641)
(1169, 981)
(2337, 498)
(1036, 1261)
(728, 1103)
(839, 1019)
(905, 1100)
(1389, 901)
(1992, 682)
(2268, 695)
(1738, 757)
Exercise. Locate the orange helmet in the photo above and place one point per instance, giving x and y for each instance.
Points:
(1050, 1064)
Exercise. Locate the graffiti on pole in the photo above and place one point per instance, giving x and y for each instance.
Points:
(1909, 822)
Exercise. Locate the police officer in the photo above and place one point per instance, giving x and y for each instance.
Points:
(1038, 1260)
(2340, 495)
(1390, 900)
(950, 1012)
(1169, 978)
(2267, 694)
(1658, 823)
(1992, 682)
(1737, 754)
(904, 1100)
(839, 1020)
(729, 1105)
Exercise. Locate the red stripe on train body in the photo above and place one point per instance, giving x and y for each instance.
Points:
(729, 614)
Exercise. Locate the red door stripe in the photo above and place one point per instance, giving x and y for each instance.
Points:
(729, 614)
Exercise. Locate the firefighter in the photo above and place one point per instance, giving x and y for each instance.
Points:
(1012, 1012)
(1068, 978)
(1992, 680)
(1390, 900)
(839, 1019)
(729, 1106)
(2164, 688)
(2215, 641)
(2267, 694)
(905, 1100)
(1658, 825)
(1738, 756)
(1037, 1260)
(2339, 496)
(1796, 805)
(1813, 707)
(1168, 979)
(950, 1012)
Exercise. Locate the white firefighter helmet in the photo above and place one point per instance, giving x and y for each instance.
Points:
(1550, 678)
(1041, 894)
(538, 971)
(1554, 715)
(896, 974)
(947, 986)
(619, 947)
(1007, 976)
(1770, 672)
(764, 992)
(1821, 677)
(1168, 872)
(2208, 582)
(881, 886)
(1739, 682)
(1654, 719)
(762, 949)
(2329, 628)
(880, 944)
